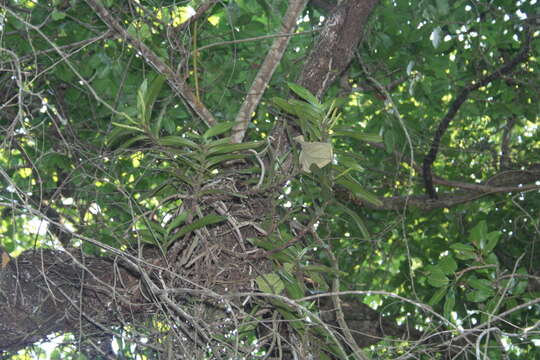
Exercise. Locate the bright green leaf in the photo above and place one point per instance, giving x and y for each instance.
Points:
(437, 278)
(447, 264)
(270, 283)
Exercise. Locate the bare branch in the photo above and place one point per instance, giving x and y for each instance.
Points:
(266, 71)
(175, 81)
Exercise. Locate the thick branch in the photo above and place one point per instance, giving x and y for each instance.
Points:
(455, 106)
(175, 81)
(45, 291)
(266, 71)
(336, 45)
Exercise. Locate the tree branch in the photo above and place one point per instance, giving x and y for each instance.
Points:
(503, 182)
(455, 106)
(334, 50)
(44, 291)
(266, 71)
(175, 81)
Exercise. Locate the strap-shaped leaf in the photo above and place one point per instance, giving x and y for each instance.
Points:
(304, 94)
(218, 129)
(357, 219)
(358, 135)
(224, 149)
(132, 141)
(179, 220)
(202, 222)
(358, 190)
(214, 160)
(177, 141)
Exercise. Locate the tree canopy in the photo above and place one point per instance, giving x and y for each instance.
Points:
(269, 179)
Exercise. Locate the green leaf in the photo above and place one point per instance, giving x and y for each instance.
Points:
(481, 284)
(478, 234)
(178, 220)
(294, 289)
(437, 296)
(358, 135)
(270, 283)
(224, 149)
(214, 160)
(222, 141)
(491, 241)
(349, 162)
(308, 112)
(150, 99)
(177, 141)
(141, 101)
(357, 220)
(442, 7)
(132, 141)
(127, 126)
(478, 295)
(449, 304)
(357, 189)
(437, 278)
(218, 129)
(322, 269)
(202, 222)
(284, 105)
(448, 265)
(304, 94)
(463, 251)
(272, 242)
(58, 15)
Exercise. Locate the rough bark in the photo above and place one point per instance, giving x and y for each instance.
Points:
(335, 47)
(46, 291)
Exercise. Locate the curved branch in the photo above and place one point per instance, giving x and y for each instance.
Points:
(455, 106)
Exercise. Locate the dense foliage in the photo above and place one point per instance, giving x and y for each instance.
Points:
(408, 179)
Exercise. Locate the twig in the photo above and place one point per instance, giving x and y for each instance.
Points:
(250, 39)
